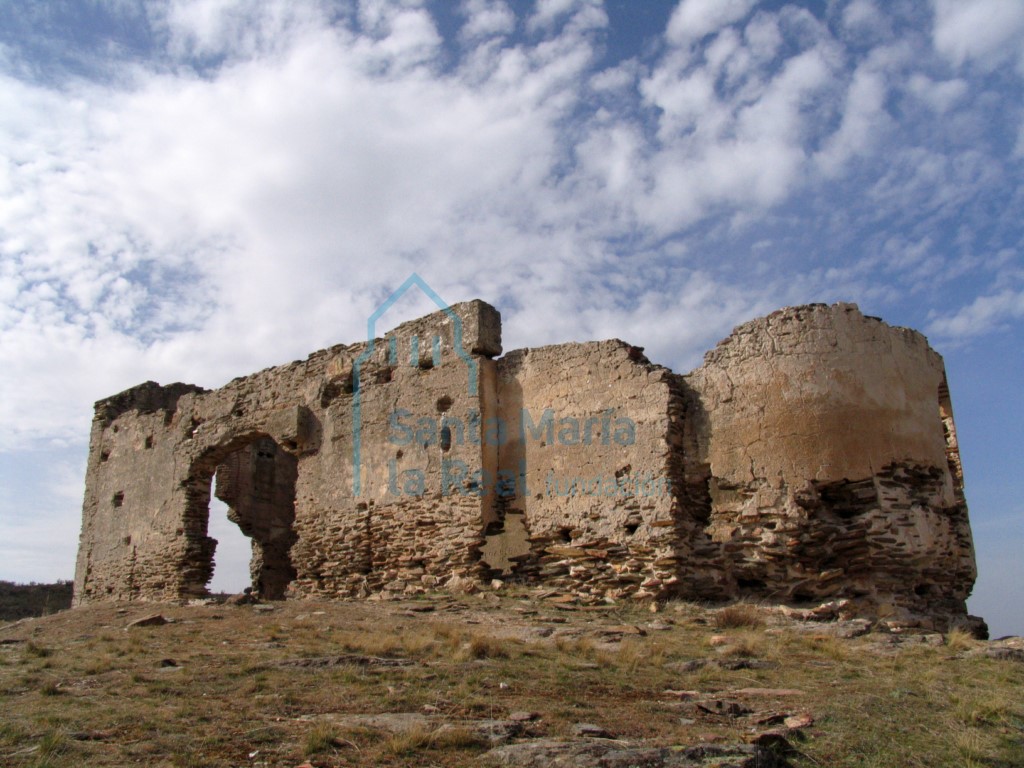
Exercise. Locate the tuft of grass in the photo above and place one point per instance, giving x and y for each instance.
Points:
(37, 651)
(417, 642)
(190, 757)
(634, 653)
(971, 748)
(579, 647)
(986, 710)
(51, 688)
(10, 734)
(444, 738)
(829, 646)
(485, 647)
(739, 616)
(53, 744)
(322, 738)
(98, 667)
(960, 640)
(409, 742)
(258, 683)
(746, 646)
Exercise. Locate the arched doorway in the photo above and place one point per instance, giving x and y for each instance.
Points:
(255, 478)
(234, 551)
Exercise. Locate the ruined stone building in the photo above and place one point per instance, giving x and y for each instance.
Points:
(813, 455)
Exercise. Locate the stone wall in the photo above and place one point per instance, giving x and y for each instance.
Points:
(155, 451)
(831, 462)
(586, 451)
(813, 455)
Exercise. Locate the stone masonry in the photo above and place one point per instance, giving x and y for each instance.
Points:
(812, 457)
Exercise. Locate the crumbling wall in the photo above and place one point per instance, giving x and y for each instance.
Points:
(419, 517)
(813, 455)
(586, 468)
(827, 462)
(129, 545)
(146, 509)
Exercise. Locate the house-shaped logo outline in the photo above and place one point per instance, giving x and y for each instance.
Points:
(371, 324)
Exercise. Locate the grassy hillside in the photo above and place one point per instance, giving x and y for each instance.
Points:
(487, 680)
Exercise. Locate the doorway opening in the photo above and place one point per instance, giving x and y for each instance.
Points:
(233, 554)
(255, 478)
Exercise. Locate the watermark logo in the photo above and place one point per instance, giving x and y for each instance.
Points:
(461, 472)
(414, 280)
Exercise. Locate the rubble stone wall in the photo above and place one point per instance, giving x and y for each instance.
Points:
(812, 456)
(586, 454)
(830, 455)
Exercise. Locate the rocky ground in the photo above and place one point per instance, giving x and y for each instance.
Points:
(500, 679)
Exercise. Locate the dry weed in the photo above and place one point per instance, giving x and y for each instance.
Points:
(417, 739)
(739, 616)
(961, 640)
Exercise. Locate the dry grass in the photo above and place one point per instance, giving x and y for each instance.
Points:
(484, 647)
(828, 646)
(322, 738)
(739, 616)
(417, 740)
(228, 696)
(749, 645)
(961, 640)
(37, 651)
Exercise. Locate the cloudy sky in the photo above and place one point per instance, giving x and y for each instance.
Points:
(195, 189)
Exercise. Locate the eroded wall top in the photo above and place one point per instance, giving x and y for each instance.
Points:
(777, 385)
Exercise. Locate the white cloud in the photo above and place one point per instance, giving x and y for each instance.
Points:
(486, 18)
(864, 118)
(548, 13)
(983, 315)
(988, 33)
(940, 96)
(212, 28)
(694, 19)
(763, 38)
(864, 17)
(733, 128)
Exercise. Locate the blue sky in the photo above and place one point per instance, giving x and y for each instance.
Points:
(193, 190)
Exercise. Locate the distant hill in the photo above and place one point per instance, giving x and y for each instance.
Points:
(18, 601)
